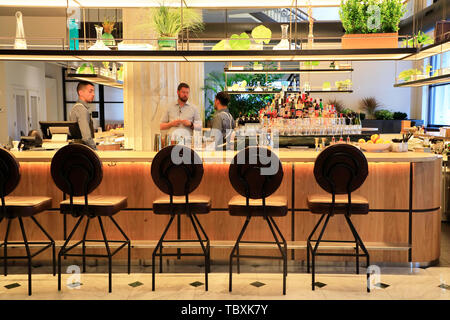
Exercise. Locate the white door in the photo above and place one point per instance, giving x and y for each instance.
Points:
(33, 110)
(21, 114)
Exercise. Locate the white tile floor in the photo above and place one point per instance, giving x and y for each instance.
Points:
(341, 283)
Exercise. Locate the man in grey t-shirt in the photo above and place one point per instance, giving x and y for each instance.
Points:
(80, 112)
(223, 123)
(181, 118)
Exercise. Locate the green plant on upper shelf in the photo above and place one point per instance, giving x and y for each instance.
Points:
(384, 115)
(406, 75)
(85, 68)
(344, 84)
(240, 42)
(311, 63)
(326, 86)
(260, 35)
(418, 40)
(369, 105)
(169, 22)
(108, 28)
(371, 16)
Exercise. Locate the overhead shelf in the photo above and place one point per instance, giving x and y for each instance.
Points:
(289, 91)
(205, 56)
(445, 78)
(295, 71)
(429, 51)
(96, 78)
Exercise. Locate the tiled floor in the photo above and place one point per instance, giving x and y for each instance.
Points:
(177, 282)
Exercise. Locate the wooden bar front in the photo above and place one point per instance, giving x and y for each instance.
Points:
(403, 224)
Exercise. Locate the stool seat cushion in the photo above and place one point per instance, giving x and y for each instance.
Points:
(22, 206)
(98, 205)
(198, 204)
(276, 206)
(321, 203)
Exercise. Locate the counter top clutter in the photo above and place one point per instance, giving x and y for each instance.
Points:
(285, 155)
(110, 140)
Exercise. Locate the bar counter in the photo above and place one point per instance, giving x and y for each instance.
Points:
(402, 227)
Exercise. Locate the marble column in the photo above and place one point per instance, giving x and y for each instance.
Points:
(149, 87)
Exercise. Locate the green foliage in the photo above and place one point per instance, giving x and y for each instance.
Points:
(240, 42)
(352, 16)
(405, 75)
(240, 104)
(169, 23)
(400, 116)
(359, 17)
(418, 40)
(261, 34)
(384, 115)
(391, 13)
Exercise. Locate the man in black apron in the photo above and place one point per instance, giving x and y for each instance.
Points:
(80, 112)
(223, 122)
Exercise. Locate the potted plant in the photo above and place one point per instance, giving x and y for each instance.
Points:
(418, 41)
(371, 23)
(369, 105)
(169, 22)
(108, 28)
(343, 85)
(409, 75)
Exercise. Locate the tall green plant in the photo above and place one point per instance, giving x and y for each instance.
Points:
(371, 16)
(169, 22)
(244, 104)
(391, 13)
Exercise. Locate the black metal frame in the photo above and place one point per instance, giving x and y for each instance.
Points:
(26, 243)
(312, 252)
(164, 175)
(270, 221)
(64, 250)
(86, 212)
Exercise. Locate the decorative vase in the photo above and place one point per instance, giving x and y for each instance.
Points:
(167, 43)
(73, 34)
(20, 42)
(108, 39)
(284, 43)
(99, 45)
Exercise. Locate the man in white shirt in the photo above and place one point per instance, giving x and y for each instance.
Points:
(181, 118)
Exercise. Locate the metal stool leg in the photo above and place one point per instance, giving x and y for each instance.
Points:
(62, 251)
(128, 242)
(308, 242)
(316, 246)
(51, 240)
(161, 239)
(207, 243)
(283, 253)
(84, 244)
(5, 249)
(205, 250)
(109, 254)
(27, 248)
(244, 227)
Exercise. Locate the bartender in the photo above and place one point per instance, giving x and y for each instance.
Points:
(182, 117)
(223, 122)
(81, 114)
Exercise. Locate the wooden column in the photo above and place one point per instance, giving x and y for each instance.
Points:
(149, 87)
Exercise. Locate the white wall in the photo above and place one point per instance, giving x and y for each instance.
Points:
(28, 76)
(55, 109)
(370, 78)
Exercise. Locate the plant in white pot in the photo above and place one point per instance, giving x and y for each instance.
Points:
(169, 22)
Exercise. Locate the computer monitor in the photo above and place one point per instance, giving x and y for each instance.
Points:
(69, 127)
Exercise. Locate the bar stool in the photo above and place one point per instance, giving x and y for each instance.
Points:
(339, 170)
(77, 171)
(177, 171)
(256, 173)
(20, 207)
